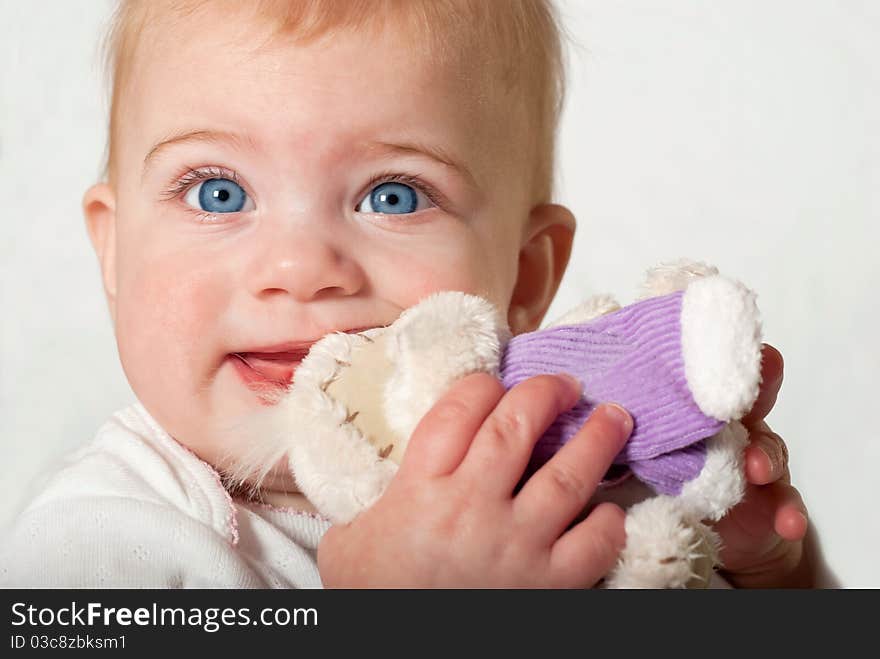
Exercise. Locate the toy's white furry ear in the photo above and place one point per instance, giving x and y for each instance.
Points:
(589, 309)
(672, 276)
(443, 338)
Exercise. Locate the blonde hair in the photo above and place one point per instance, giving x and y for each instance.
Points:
(519, 39)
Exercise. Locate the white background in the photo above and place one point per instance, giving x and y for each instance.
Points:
(742, 132)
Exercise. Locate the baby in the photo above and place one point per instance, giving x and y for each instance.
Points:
(281, 170)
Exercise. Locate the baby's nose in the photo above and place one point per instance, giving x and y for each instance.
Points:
(305, 267)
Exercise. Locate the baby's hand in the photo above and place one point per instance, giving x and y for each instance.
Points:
(763, 536)
(450, 517)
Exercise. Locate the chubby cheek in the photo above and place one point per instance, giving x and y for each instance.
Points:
(469, 264)
(167, 316)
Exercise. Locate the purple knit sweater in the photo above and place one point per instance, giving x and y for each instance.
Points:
(632, 357)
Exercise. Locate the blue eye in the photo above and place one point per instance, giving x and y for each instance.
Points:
(394, 199)
(218, 195)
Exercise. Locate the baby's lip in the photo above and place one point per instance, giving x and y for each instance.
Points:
(272, 368)
(280, 356)
(284, 350)
(280, 349)
(276, 364)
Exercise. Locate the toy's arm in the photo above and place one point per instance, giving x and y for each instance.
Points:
(682, 364)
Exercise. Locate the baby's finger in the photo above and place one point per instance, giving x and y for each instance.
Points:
(766, 512)
(766, 457)
(560, 489)
(589, 550)
(500, 452)
(772, 368)
(443, 436)
(791, 520)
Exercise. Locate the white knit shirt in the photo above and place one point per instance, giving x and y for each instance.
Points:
(134, 508)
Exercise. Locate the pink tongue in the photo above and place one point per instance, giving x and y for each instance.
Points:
(277, 366)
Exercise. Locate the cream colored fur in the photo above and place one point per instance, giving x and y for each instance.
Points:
(435, 343)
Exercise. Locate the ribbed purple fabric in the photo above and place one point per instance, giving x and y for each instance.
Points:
(632, 357)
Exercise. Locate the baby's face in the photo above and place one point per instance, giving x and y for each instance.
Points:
(265, 198)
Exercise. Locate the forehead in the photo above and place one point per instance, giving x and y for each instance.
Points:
(212, 72)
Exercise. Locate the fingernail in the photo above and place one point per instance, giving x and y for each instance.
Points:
(771, 449)
(620, 416)
(770, 460)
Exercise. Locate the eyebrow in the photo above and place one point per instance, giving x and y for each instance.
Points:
(244, 142)
(419, 148)
(195, 137)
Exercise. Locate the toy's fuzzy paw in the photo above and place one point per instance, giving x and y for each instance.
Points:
(664, 548)
(440, 340)
(720, 335)
(721, 346)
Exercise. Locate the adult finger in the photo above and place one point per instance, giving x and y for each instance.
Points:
(443, 436)
(560, 489)
(590, 549)
(772, 367)
(507, 437)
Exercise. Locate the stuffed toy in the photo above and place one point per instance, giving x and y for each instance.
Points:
(684, 360)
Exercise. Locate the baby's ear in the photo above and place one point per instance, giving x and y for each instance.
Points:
(99, 209)
(543, 257)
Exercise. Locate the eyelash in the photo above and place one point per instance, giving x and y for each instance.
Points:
(434, 195)
(192, 176)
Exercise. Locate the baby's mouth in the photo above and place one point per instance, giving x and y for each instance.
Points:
(269, 368)
(271, 371)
